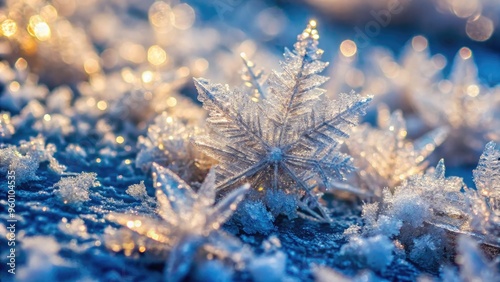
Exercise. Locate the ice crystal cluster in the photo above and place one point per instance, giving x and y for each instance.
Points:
(417, 214)
(289, 140)
(26, 158)
(384, 157)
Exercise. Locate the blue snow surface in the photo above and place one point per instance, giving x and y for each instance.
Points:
(41, 215)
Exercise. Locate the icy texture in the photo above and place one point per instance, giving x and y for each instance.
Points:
(189, 221)
(384, 157)
(288, 141)
(415, 216)
(432, 197)
(76, 189)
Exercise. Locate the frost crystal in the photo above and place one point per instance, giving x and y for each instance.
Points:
(463, 105)
(168, 142)
(396, 82)
(384, 157)
(485, 204)
(76, 189)
(189, 222)
(26, 158)
(432, 198)
(289, 139)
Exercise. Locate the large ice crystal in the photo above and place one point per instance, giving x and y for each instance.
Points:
(384, 157)
(289, 140)
(189, 222)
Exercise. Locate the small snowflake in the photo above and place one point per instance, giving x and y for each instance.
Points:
(467, 108)
(189, 221)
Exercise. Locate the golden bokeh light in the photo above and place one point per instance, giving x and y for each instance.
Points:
(156, 55)
(419, 43)
(480, 28)
(9, 27)
(348, 48)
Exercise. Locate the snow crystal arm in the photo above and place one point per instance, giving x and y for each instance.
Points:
(324, 132)
(226, 207)
(254, 77)
(229, 119)
(178, 192)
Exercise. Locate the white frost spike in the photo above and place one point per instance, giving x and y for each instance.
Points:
(189, 221)
(384, 157)
(287, 141)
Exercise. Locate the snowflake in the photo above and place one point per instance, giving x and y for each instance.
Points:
(189, 221)
(485, 204)
(384, 157)
(288, 140)
(467, 108)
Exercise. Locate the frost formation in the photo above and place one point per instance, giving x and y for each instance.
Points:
(287, 141)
